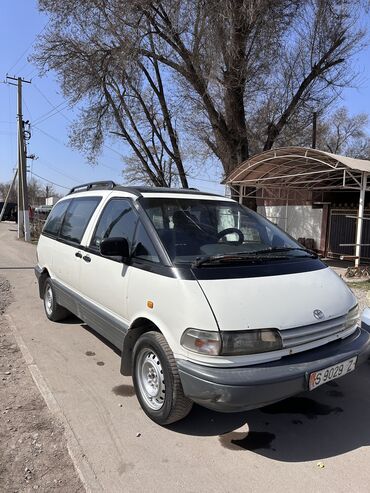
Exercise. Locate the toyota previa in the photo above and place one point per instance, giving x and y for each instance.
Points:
(206, 300)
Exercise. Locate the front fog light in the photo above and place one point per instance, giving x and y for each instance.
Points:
(201, 341)
(353, 317)
(250, 342)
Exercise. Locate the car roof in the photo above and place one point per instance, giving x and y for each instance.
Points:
(139, 191)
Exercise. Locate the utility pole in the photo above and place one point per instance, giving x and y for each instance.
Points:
(23, 213)
(8, 195)
(314, 129)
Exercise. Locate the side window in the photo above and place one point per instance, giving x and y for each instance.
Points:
(77, 218)
(118, 219)
(55, 218)
(144, 248)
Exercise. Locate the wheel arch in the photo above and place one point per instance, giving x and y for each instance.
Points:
(138, 327)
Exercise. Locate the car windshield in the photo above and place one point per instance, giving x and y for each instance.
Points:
(209, 230)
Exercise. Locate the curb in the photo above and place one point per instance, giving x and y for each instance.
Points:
(82, 465)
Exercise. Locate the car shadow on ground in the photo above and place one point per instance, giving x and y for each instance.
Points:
(329, 421)
(101, 338)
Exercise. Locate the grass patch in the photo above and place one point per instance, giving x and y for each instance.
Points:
(364, 285)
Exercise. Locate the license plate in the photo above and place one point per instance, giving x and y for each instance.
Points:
(320, 377)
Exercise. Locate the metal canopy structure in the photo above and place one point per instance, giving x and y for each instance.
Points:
(304, 170)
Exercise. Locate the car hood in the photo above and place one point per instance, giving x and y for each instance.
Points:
(280, 301)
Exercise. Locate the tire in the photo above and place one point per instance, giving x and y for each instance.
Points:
(156, 380)
(53, 311)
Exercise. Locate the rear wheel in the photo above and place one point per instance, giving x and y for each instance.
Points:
(53, 311)
(156, 380)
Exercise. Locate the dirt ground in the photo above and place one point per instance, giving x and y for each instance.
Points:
(33, 451)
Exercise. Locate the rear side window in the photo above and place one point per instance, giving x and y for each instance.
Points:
(55, 218)
(77, 218)
(118, 220)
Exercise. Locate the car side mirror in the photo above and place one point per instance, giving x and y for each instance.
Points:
(115, 247)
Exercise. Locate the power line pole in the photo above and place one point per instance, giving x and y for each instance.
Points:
(314, 129)
(23, 214)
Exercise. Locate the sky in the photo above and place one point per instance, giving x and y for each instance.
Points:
(47, 110)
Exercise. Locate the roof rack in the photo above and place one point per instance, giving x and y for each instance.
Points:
(135, 190)
(94, 185)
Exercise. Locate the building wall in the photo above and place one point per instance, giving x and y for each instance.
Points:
(51, 200)
(302, 221)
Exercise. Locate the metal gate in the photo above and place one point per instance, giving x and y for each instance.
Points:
(342, 230)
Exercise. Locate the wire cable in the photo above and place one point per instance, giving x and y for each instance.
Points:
(52, 182)
(64, 145)
(57, 170)
(54, 111)
(64, 116)
(28, 47)
(41, 120)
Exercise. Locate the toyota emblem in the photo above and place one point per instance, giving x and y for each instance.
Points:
(318, 314)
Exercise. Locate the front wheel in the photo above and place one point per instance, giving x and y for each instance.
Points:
(156, 380)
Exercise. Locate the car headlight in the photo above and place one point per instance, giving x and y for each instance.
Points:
(250, 341)
(352, 317)
(201, 341)
(233, 343)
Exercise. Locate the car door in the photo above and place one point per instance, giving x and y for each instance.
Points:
(67, 253)
(104, 281)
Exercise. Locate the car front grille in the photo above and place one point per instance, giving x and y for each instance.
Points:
(313, 332)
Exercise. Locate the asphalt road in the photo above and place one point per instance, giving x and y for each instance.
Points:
(315, 442)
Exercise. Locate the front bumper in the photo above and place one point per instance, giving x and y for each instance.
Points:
(243, 388)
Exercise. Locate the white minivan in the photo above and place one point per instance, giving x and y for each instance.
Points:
(207, 301)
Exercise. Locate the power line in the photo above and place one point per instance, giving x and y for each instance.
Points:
(27, 108)
(43, 95)
(66, 117)
(28, 47)
(52, 182)
(41, 119)
(113, 169)
(53, 111)
(57, 170)
(61, 143)
(48, 135)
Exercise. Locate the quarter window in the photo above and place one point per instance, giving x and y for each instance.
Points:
(55, 218)
(77, 218)
(118, 220)
(144, 248)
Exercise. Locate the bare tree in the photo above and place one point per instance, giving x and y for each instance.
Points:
(4, 188)
(122, 93)
(338, 132)
(37, 192)
(345, 134)
(234, 74)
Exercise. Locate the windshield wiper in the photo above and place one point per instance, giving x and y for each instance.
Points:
(252, 256)
(234, 257)
(286, 249)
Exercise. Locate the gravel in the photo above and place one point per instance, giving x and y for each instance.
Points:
(6, 295)
(33, 450)
(361, 289)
